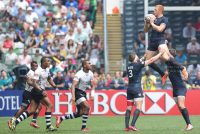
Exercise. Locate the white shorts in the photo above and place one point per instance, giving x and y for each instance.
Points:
(93, 61)
(176, 98)
(136, 99)
(80, 100)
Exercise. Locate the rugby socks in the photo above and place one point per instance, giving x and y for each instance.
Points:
(175, 62)
(69, 116)
(127, 118)
(48, 119)
(84, 120)
(34, 117)
(155, 67)
(185, 115)
(22, 117)
(135, 117)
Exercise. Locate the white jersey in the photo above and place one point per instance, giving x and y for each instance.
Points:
(30, 74)
(41, 75)
(83, 79)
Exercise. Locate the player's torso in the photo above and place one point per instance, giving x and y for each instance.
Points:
(29, 74)
(44, 73)
(84, 79)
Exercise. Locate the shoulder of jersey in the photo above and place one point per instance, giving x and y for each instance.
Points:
(90, 72)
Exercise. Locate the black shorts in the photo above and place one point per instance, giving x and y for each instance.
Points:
(80, 96)
(26, 98)
(153, 46)
(179, 92)
(131, 94)
(36, 95)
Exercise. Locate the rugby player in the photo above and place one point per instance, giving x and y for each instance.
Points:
(39, 95)
(26, 98)
(157, 42)
(134, 90)
(179, 90)
(79, 85)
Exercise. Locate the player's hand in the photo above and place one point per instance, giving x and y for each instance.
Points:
(72, 100)
(162, 51)
(145, 55)
(58, 91)
(91, 98)
(44, 93)
(152, 20)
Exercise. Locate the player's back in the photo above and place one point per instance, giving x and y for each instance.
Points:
(155, 35)
(135, 75)
(29, 74)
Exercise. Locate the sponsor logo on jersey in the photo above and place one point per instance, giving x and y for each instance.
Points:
(35, 74)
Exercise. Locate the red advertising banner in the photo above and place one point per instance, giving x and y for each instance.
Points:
(112, 103)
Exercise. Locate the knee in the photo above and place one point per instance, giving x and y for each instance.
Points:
(139, 107)
(87, 108)
(40, 107)
(181, 106)
(32, 111)
(50, 106)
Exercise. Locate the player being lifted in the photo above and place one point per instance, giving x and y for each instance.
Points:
(39, 95)
(134, 90)
(179, 90)
(79, 85)
(26, 98)
(157, 41)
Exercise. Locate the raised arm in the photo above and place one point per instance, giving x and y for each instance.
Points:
(153, 59)
(147, 27)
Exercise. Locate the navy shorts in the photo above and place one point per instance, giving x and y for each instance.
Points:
(36, 95)
(26, 98)
(153, 46)
(179, 92)
(131, 94)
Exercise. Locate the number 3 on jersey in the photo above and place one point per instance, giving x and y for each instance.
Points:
(130, 73)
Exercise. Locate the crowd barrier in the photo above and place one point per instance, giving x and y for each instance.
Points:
(106, 103)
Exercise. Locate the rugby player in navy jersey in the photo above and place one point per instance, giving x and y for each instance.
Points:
(179, 89)
(157, 42)
(134, 90)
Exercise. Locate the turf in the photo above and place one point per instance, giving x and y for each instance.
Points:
(109, 125)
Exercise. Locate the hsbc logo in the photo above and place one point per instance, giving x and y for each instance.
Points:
(157, 103)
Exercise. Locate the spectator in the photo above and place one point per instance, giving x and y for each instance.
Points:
(117, 83)
(36, 29)
(83, 12)
(22, 3)
(99, 5)
(11, 55)
(22, 33)
(168, 36)
(56, 45)
(30, 16)
(195, 3)
(18, 37)
(80, 23)
(49, 34)
(20, 15)
(75, 19)
(40, 10)
(70, 35)
(96, 78)
(58, 36)
(48, 52)
(18, 24)
(30, 35)
(55, 26)
(93, 13)
(56, 14)
(182, 58)
(58, 56)
(87, 30)
(80, 37)
(97, 41)
(196, 82)
(148, 81)
(70, 80)
(102, 81)
(12, 21)
(197, 25)
(188, 87)
(33, 42)
(62, 38)
(2, 35)
(49, 17)
(62, 27)
(2, 6)
(189, 31)
(193, 69)
(94, 56)
(37, 56)
(70, 67)
(43, 43)
(63, 18)
(6, 44)
(71, 48)
(193, 46)
(12, 32)
(108, 79)
(82, 52)
(6, 81)
(13, 7)
(140, 42)
(59, 80)
(24, 59)
(71, 4)
(54, 69)
(63, 52)
(61, 8)
(81, 4)
(6, 16)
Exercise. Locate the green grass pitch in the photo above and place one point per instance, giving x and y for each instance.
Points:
(109, 125)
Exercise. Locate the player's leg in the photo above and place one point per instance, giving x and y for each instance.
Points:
(130, 104)
(180, 101)
(33, 122)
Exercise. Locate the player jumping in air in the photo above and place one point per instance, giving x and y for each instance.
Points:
(157, 42)
(39, 95)
(26, 98)
(79, 85)
(134, 90)
(179, 90)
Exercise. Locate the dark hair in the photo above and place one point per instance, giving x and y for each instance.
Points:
(131, 56)
(2, 71)
(43, 60)
(69, 45)
(124, 74)
(0, 29)
(21, 29)
(33, 62)
(147, 72)
(85, 21)
(84, 62)
(172, 52)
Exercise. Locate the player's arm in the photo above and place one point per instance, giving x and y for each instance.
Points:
(157, 28)
(35, 81)
(74, 83)
(147, 27)
(53, 84)
(92, 90)
(29, 81)
(153, 59)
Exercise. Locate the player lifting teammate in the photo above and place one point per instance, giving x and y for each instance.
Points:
(39, 95)
(157, 41)
(134, 90)
(179, 90)
(79, 85)
(26, 98)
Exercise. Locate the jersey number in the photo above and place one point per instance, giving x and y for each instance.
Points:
(130, 73)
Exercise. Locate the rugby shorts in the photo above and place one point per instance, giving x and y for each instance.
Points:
(36, 95)
(26, 98)
(153, 46)
(131, 96)
(80, 96)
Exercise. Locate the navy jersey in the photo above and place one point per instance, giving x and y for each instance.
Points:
(175, 77)
(155, 35)
(135, 75)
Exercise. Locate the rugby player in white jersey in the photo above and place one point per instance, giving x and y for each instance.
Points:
(26, 98)
(79, 85)
(39, 95)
